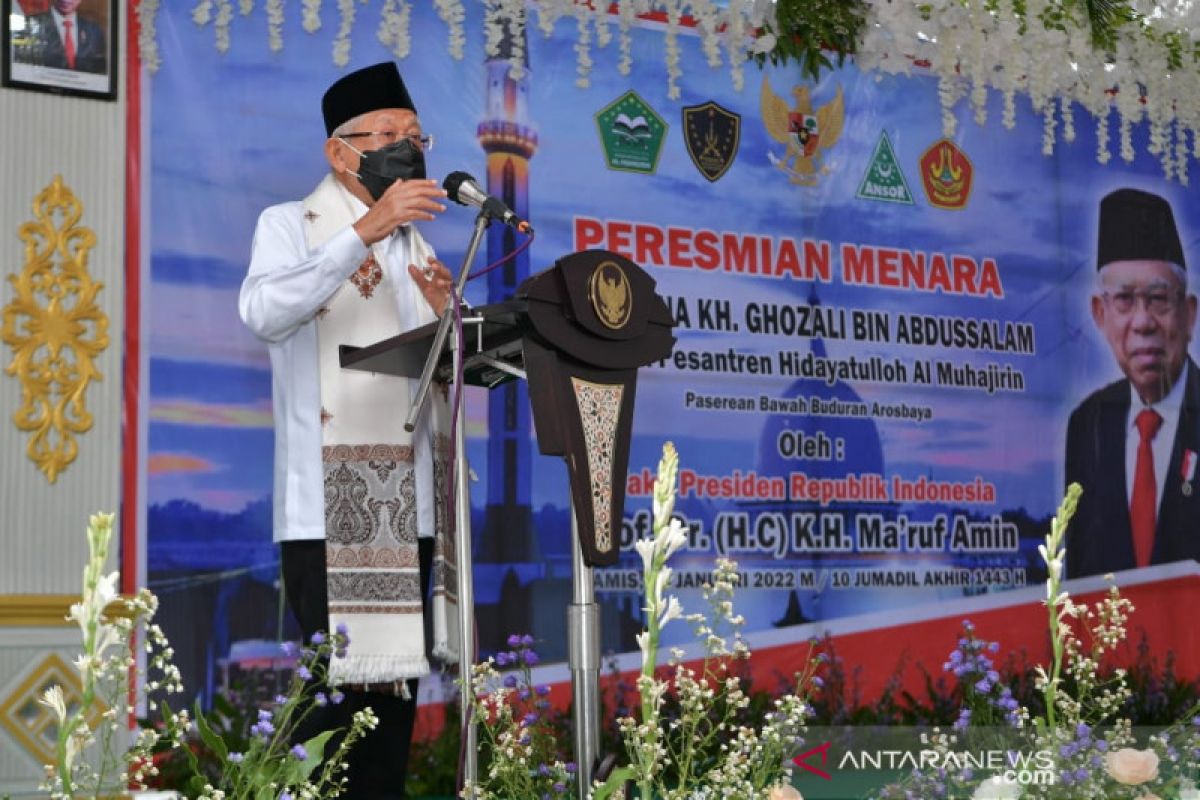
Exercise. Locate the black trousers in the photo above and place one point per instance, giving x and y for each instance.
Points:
(379, 761)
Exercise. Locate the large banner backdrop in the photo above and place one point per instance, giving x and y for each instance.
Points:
(881, 333)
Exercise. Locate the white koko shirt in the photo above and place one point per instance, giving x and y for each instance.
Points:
(285, 287)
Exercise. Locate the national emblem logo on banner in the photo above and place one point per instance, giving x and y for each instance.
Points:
(631, 133)
(712, 135)
(807, 133)
(884, 180)
(946, 174)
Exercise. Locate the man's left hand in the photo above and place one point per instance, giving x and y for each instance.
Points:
(434, 281)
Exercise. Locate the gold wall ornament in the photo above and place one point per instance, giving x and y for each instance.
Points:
(55, 329)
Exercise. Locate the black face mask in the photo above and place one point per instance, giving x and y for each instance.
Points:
(379, 169)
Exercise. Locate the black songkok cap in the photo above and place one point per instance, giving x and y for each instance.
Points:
(368, 89)
(1137, 226)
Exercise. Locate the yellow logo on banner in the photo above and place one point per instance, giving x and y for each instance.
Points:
(807, 134)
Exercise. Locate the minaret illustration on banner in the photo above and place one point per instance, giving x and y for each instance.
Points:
(510, 142)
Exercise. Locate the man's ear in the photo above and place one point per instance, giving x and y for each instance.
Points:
(1191, 315)
(1098, 310)
(335, 154)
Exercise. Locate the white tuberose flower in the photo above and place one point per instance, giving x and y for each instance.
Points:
(53, 699)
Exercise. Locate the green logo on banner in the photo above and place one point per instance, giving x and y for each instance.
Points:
(632, 134)
(884, 179)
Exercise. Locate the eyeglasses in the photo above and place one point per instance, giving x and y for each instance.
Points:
(421, 141)
(1158, 301)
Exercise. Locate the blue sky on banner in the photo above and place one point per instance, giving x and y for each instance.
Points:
(233, 133)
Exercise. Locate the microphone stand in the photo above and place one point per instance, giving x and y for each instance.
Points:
(462, 501)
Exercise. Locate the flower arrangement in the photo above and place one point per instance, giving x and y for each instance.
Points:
(1079, 743)
(705, 751)
(519, 738)
(704, 747)
(268, 762)
(91, 754)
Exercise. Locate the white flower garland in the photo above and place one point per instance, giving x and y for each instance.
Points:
(275, 25)
(341, 42)
(221, 24)
(976, 45)
(147, 12)
(393, 27)
(972, 47)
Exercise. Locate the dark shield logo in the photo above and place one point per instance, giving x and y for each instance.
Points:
(712, 134)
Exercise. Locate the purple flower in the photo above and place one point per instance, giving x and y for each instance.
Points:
(299, 753)
(530, 657)
(514, 641)
(235, 758)
(336, 697)
(502, 659)
(570, 767)
(262, 729)
(318, 638)
(543, 770)
(285, 795)
(527, 640)
(523, 693)
(320, 699)
(288, 648)
(343, 629)
(510, 681)
(265, 715)
(560, 787)
(818, 681)
(303, 673)
(529, 718)
(280, 699)
(543, 690)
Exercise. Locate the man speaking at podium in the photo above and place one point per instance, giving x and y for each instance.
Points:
(359, 504)
(1133, 445)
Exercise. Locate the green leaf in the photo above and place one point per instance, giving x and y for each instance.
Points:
(615, 781)
(209, 736)
(315, 747)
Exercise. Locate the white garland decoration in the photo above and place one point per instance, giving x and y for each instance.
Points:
(341, 42)
(394, 27)
(972, 47)
(275, 25)
(311, 16)
(221, 24)
(147, 12)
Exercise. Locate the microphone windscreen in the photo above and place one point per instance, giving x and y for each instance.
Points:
(452, 183)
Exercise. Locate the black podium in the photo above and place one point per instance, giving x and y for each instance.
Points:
(578, 333)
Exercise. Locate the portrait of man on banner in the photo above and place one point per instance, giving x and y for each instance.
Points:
(1133, 444)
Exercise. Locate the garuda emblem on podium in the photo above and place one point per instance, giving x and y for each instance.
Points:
(609, 292)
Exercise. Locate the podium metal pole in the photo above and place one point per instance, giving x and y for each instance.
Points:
(583, 654)
(462, 503)
(466, 585)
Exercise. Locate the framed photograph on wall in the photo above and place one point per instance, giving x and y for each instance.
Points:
(61, 46)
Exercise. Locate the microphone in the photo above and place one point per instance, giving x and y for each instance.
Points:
(464, 190)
